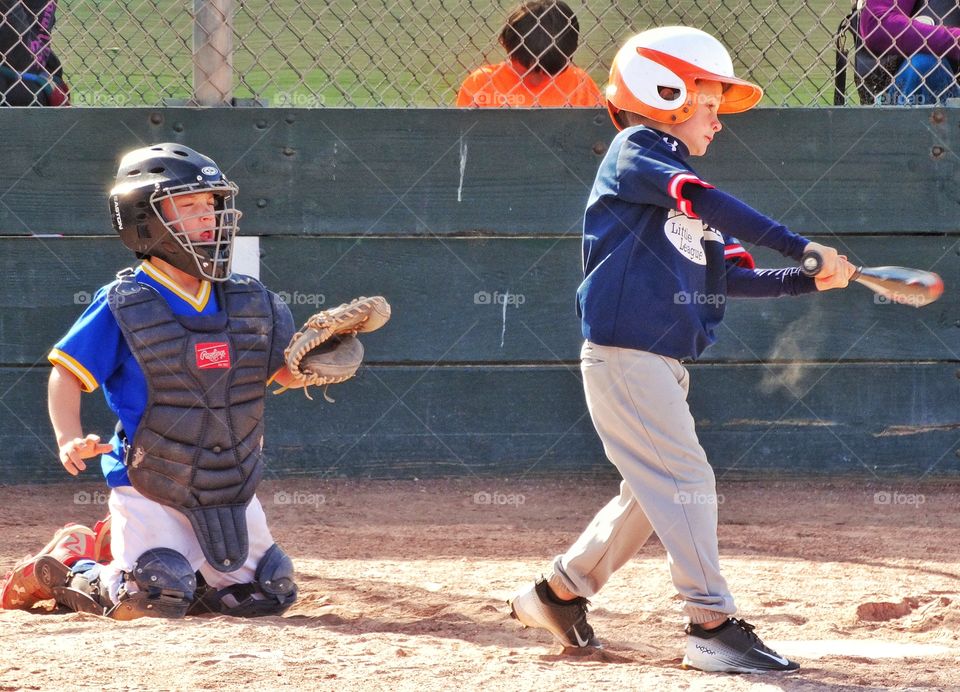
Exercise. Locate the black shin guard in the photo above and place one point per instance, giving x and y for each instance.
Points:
(272, 592)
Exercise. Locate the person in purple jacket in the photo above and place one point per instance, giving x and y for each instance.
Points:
(924, 37)
(659, 263)
(30, 72)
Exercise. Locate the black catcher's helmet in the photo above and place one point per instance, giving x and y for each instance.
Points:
(152, 174)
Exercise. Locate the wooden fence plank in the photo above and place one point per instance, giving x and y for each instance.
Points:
(864, 420)
(436, 172)
(495, 300)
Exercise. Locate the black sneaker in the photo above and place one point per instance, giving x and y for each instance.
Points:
(535, 606)
(732, 648)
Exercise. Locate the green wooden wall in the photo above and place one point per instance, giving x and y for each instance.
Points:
(469, 223)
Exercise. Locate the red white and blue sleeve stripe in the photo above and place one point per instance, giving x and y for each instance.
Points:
(675, 190)
(735, 252)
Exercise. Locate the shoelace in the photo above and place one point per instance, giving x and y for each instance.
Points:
(583, 606)
(749, 630)
(580, 626)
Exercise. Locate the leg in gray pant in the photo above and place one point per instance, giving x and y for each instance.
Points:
(614, 536)
(638, 403)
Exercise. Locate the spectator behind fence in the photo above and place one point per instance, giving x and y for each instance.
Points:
(540, 38)
(30, 73)
(925, 37)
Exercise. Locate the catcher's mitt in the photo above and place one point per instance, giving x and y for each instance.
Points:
(326, 350)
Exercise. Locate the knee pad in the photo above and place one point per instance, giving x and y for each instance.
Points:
(271, 593)
(165, 587)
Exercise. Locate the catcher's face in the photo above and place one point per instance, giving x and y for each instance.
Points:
(200, 225)
(191, 214)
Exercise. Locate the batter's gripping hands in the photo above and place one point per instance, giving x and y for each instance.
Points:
(326, 350)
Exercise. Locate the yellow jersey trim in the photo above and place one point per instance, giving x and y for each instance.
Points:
(198, 302)
(87, 381)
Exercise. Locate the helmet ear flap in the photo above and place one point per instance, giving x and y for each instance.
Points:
(685, 112)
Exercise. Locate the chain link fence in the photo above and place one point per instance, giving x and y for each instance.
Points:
(390, 53)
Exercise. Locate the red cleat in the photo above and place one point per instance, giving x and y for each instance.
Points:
(21, 588)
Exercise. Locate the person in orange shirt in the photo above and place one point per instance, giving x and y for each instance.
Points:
(540, 38)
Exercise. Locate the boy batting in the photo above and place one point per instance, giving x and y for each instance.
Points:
(654, 290)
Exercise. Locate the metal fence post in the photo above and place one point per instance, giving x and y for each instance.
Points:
(213, 52)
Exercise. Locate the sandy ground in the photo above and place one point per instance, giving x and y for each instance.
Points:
(402, 586)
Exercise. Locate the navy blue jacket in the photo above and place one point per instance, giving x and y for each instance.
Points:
(655, 278)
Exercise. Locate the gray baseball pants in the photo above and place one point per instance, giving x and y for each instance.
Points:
(638, 403)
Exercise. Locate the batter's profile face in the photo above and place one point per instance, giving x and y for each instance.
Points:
(192, 214)
(698, 131)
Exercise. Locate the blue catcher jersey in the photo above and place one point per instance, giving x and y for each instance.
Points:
(95, 351)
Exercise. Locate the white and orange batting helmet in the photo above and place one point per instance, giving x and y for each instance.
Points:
(655, 75)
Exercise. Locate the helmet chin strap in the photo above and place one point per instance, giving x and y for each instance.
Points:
(171, 252)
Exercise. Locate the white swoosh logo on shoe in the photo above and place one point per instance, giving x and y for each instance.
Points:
(580, 642)
(778, 659)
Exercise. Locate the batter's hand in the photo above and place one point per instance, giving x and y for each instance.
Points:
(836, 271)
(73, 453)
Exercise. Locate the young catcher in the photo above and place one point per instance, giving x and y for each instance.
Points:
(183, 350)
(654, 289)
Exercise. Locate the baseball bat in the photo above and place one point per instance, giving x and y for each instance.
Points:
(898, 284)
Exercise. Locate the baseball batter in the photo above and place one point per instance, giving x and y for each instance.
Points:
(654, 290)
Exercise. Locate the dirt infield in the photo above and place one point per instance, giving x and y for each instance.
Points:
(402, 586)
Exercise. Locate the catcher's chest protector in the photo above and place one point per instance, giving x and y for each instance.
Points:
(197, 448)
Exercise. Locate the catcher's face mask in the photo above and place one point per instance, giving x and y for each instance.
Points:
(203, 220)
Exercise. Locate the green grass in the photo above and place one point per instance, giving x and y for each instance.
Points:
(411, 53)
